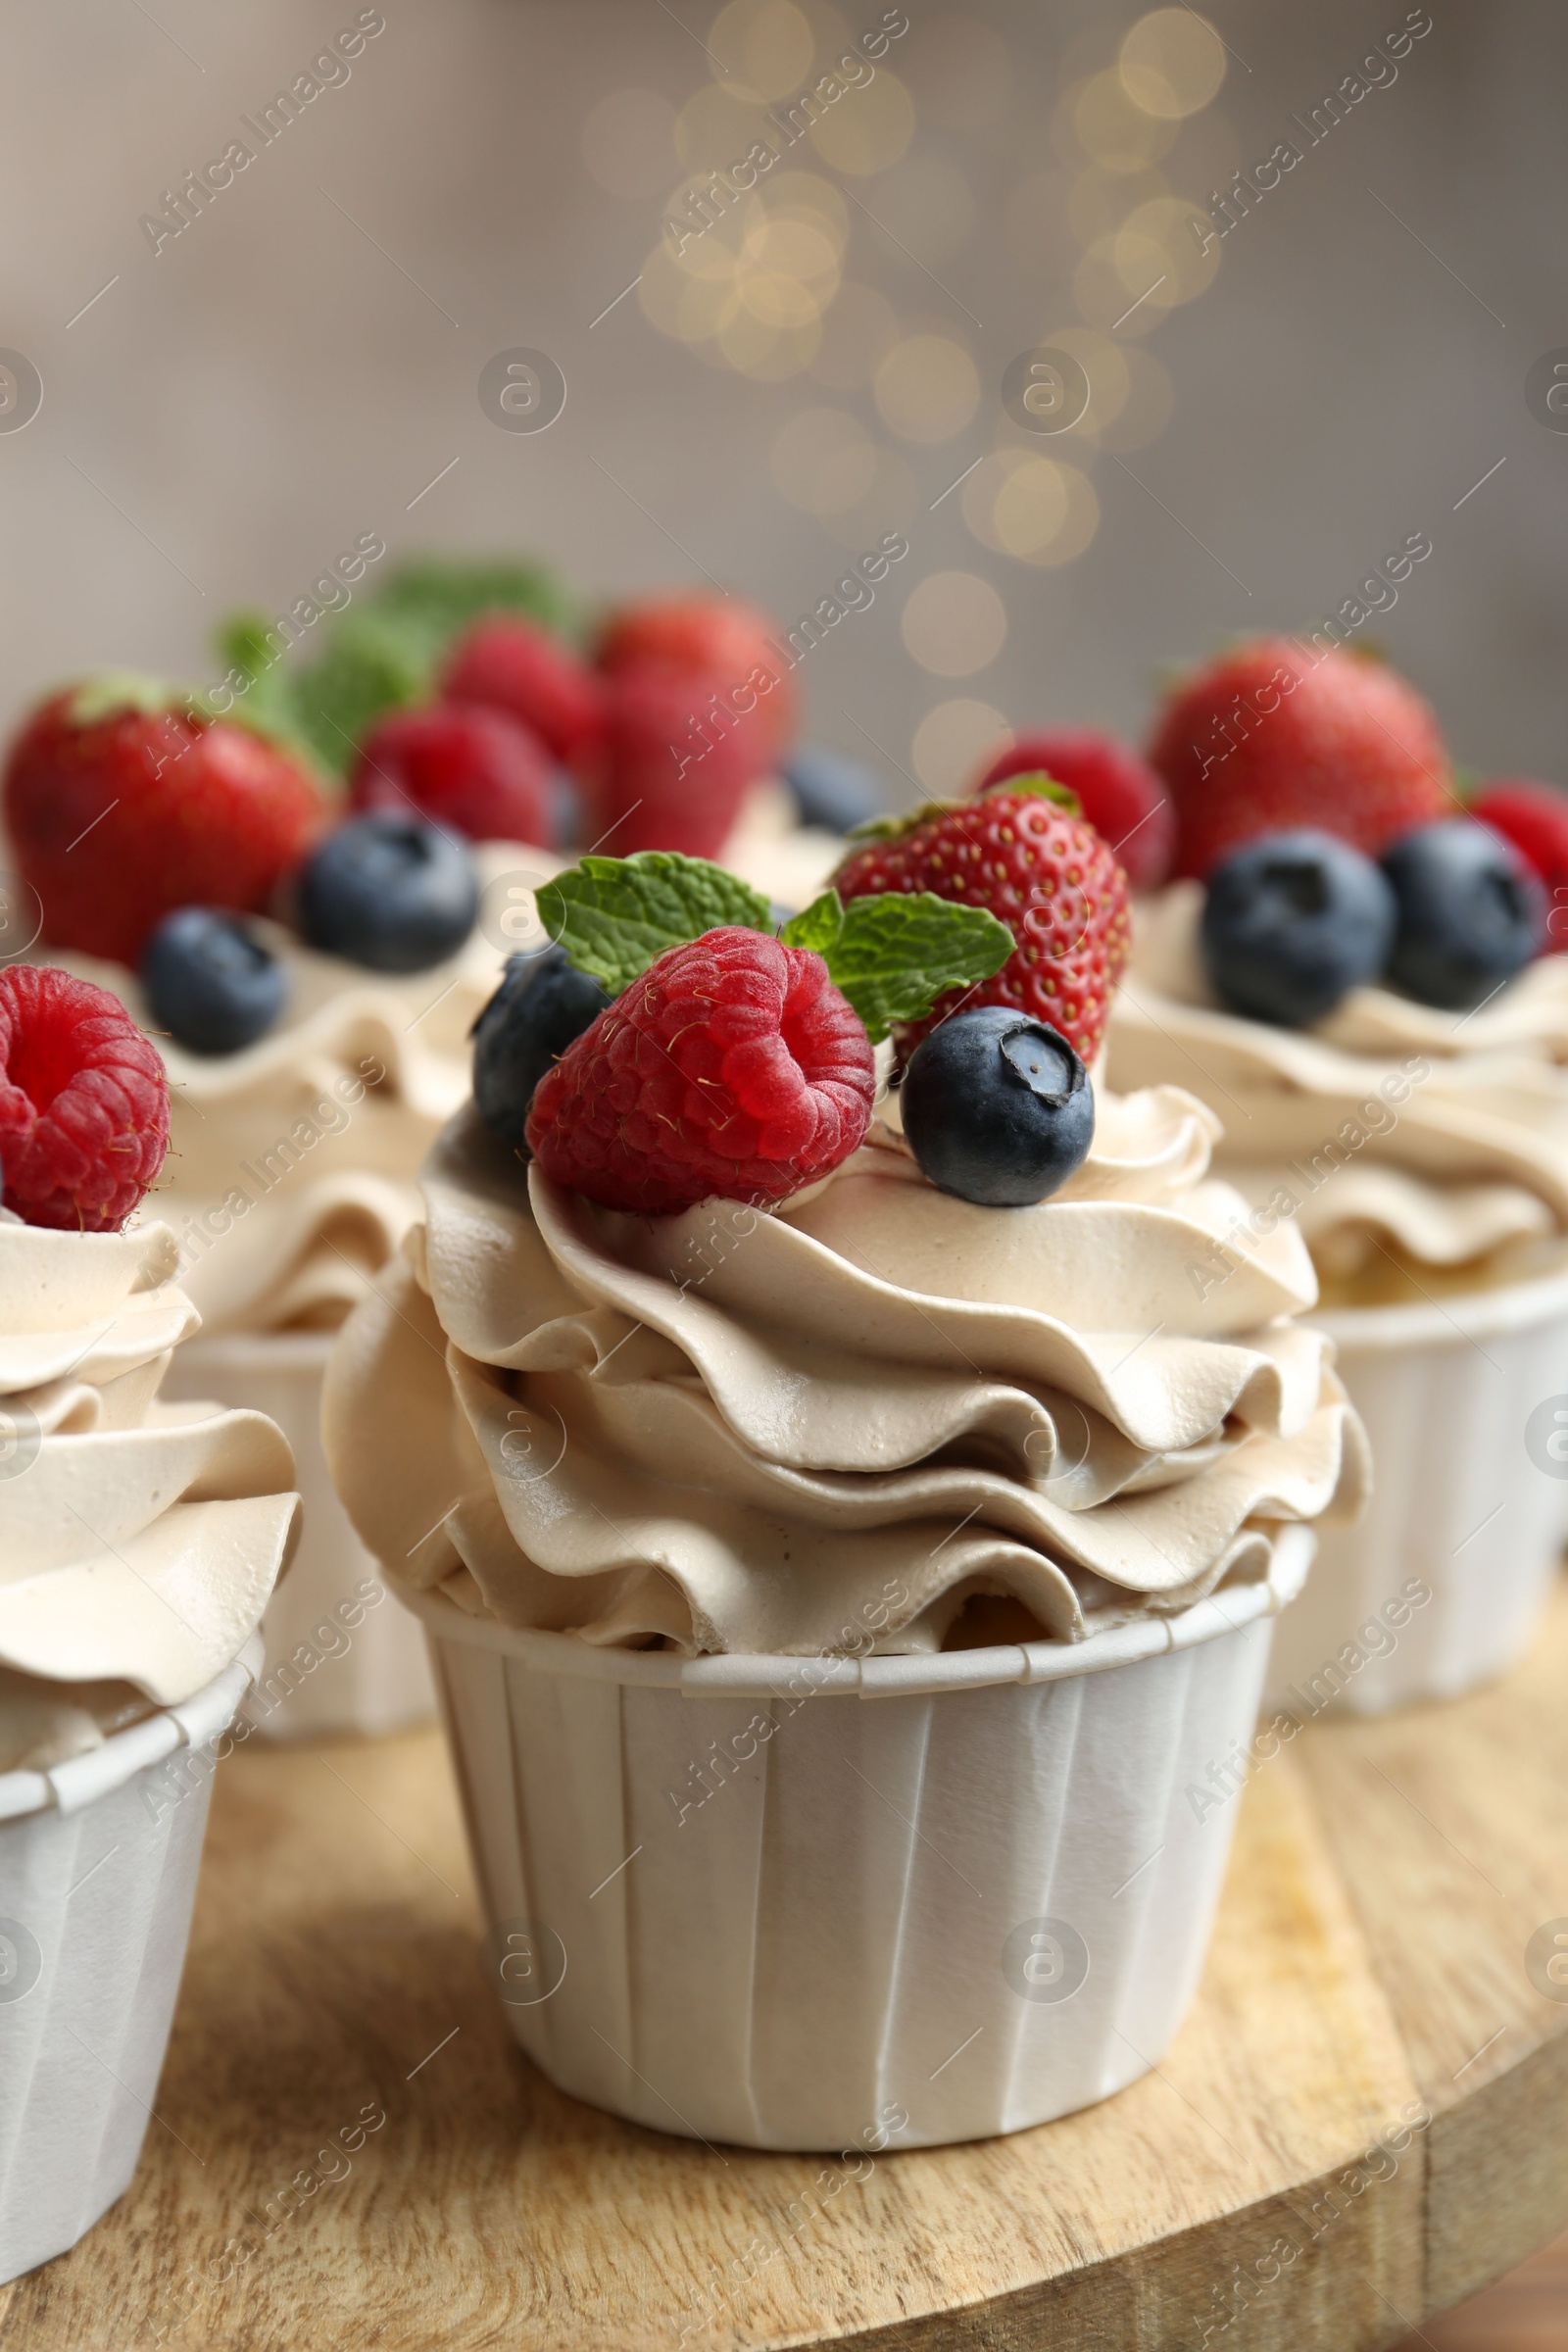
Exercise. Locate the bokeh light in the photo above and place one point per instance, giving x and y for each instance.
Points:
(766, 45)
(628, 142)
(1172, 63)
(927, 388)
(1099, 120)
(954, 623)
(950, 740)
(1041, 509)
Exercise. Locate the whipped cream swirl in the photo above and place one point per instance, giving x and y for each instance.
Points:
(1441, 1135)
(138, 1540)
(290, 1176)
(834, 1426)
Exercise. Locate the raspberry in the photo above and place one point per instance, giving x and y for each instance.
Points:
(122, 807)
(1048, 875)
(733, 1067)
(1275, 736)
(83, 1103)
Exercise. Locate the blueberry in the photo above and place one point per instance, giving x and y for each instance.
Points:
(1294, 921)
(542, 1004)
(210, 982)
(1471, 912)
(389, 891)
(830, 789)
(996, 1108)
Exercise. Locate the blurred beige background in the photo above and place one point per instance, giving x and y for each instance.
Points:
(1271, 419)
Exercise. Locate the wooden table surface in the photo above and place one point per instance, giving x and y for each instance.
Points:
(1369, 1966)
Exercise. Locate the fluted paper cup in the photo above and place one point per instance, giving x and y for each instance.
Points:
(1443, 1584)
(341, 1656)
(835, 1903)
(98, 1860)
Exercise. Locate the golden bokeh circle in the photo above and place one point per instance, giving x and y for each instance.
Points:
(927, 387)
(951, 741)
(1171, 63)
(954, 623)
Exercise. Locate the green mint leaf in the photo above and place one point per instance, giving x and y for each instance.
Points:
(816, 926)
(894, 955)
(614, 915)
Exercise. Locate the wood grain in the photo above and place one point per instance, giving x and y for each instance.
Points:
(1367, 1968)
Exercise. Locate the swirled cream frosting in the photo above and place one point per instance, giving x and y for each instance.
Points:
(1411, 1146)
(138, 1540)
(290, 1176)
(846, 1425)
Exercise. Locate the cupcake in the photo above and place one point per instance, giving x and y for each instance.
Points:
(310, 1065)
(757, 1394)
(1357, 988)
(141, 1540)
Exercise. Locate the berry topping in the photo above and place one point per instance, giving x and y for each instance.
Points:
(123, 805)
(511, 666)
(674, 761)
(474, 771)
(209, 981)
(542, 1005)
(1044, 874)
(723, 642)
(1534, 818)
(83, 1103)
(1276, 735)
(1120, 797)
(830, 791)
(1291, 923)
(733, 1068)
(1471, 914)
(996, 1108)
(389, 891)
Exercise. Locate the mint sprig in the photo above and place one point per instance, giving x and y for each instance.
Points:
(893, 956)
(615, 915)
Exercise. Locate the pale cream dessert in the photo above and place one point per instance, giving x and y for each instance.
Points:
(291, 1163)
(880, 1419)
(1421, 1152)
(139, 1540)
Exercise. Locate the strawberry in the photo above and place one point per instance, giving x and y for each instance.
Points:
(726, 643)
(673, 762)
(1534, 818)
(1120, 797)
(1276, 735)
(123, 804)
(508, 664)
(474, 770)
(1035, 865)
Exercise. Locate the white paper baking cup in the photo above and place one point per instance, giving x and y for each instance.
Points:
(325, 1672)
(970, 1890)
(1464, 1506)
(98, 1861)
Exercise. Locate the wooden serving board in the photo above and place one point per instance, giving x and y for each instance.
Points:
(1369, 1969)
